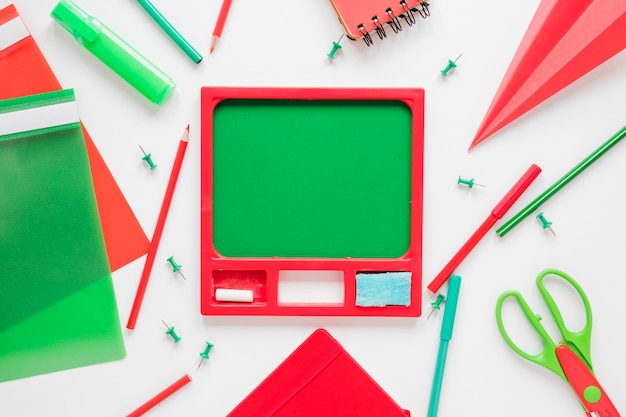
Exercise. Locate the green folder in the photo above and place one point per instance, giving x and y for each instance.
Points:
(57, 305)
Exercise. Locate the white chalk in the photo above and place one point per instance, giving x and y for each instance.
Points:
(234, 296)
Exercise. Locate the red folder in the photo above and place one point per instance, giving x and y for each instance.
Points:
(319, 379)
(25, 71)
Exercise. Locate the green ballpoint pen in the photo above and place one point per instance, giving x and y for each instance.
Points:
(447, 326)
(182, 43)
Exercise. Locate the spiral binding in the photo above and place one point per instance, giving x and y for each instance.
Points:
(409, 17)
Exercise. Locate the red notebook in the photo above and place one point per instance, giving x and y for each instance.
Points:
(25, 71)
(360, 18)
(319, 379)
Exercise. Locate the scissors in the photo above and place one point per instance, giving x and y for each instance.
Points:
(570, 358)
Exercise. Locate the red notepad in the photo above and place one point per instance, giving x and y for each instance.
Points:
(360, 18)
(319, 379)
(25, 71)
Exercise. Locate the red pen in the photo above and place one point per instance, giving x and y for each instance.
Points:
(178, 384)
(496, 214)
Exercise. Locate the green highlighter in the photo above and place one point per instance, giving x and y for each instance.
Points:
(118, 55)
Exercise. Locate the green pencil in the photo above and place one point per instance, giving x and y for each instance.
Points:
(526, 211)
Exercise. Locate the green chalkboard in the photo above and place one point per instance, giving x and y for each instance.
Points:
(312, 178)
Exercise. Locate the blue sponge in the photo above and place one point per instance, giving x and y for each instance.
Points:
(382, 289)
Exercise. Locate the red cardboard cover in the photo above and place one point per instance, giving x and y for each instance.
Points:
(25, 71)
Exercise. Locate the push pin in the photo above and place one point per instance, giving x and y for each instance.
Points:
(336, 47)
(171, 332)
(470, 183)
(545, 223)
(451, 64)
(436, 304)
(148, 158)
(175, 266)
(205, 354)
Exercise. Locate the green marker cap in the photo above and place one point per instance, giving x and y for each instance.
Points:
(450, 309)
(118, 55)
(75, 21)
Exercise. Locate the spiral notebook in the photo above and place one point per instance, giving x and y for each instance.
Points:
(360, 19)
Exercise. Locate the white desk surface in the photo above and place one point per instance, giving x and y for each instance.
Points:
(277, 43)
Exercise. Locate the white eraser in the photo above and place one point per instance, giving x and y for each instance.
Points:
(234, 296)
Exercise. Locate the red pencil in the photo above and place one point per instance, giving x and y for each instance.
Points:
(496, 214)
(158, 230)
(178, 384)
(219, 25)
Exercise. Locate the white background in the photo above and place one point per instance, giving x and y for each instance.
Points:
(279, 43)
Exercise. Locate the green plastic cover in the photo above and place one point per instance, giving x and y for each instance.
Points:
(57, 305)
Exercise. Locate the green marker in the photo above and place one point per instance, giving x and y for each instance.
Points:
(182, 43)
(562, 182)
(447, 326)
(129, 64)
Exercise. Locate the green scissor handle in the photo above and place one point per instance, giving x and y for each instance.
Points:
(578, 341)
(547, 357)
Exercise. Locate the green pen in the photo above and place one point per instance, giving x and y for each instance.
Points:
(446, 335)
(171, 31)
(129, 64)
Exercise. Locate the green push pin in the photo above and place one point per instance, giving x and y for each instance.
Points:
(148, 158)
(451, 64)
(176, 267)
(205, 353)
(436, 304)
(470, 183)
(336, 47)
(171, 332)
(545, 223)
